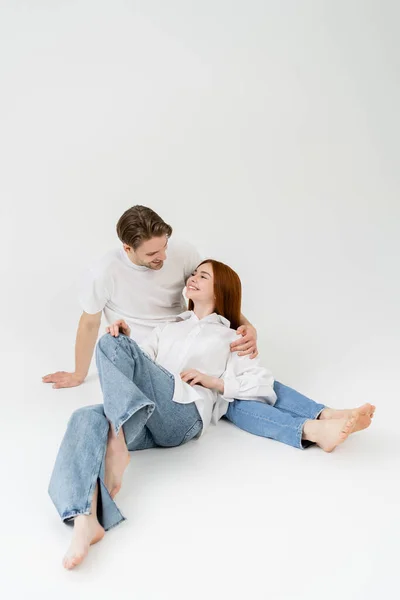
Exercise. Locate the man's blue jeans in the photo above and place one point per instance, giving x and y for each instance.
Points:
(283, 422)
(137, 396)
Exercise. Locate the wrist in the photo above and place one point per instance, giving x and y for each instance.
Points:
(80, 376)
(219, 385)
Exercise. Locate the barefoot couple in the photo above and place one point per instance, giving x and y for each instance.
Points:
(166, 373)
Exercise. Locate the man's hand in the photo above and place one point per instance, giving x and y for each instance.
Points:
(197, 378)
(119, 327)
(62, 379)
(248, 343)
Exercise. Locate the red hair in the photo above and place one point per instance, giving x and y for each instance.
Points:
(227, 290)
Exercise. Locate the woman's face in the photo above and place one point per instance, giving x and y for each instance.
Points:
(200, 285)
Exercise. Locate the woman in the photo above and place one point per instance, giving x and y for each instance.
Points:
(166, 393)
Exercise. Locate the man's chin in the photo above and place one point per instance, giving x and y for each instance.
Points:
(156, 267)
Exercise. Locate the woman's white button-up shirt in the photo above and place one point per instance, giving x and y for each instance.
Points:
(204, 345)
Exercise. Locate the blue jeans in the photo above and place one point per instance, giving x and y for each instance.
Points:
(138, 396)
(283, 422)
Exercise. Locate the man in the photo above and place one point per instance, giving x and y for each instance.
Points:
(139, 284)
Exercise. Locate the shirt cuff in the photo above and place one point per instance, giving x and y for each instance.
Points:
(231, 388)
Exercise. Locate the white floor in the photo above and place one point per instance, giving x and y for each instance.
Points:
(230, 516)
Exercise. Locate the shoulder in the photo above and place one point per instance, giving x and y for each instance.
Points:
(230, 334)
(106, 264)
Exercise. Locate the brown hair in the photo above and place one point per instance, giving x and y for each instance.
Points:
(227, 290)
(139, 224)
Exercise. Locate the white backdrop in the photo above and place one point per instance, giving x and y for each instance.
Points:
(266, 132)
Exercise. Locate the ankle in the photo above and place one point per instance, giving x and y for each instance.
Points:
(310, 431)
(326, 413)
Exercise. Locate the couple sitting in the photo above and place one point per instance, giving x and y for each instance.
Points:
(167, 390)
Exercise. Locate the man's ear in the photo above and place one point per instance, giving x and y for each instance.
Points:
(127, 248)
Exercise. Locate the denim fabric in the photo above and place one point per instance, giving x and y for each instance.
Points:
(137, 396)
(283, 422)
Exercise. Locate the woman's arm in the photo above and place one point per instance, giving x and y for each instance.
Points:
(194, 377)
(246, 379)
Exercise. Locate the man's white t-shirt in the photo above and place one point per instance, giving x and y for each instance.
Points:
(143, 297)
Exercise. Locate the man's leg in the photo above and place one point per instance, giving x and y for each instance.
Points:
(80, 465)
(138, 393)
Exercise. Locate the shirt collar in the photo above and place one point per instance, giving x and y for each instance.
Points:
(213, 318)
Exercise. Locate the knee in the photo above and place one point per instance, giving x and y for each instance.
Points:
(85, 415)
(107, 343)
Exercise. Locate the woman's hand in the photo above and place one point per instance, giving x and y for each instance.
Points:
(197, 378)
(119, 327)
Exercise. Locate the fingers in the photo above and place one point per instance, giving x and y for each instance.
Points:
(237, 343)
(67, 382)
(246, 347)
(241, 330)
(114, 330)
(250, 351)
(118, 327)
(54, 377)
(196, 380)
(187, 376)
(254, 354)
(63, 383)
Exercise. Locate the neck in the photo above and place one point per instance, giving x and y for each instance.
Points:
(203, 310)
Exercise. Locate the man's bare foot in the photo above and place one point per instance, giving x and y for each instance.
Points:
(117, 459)
(329, 433)
(365, 415)
(87, 531)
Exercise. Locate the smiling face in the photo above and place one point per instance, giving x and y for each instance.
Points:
(151, 253)
(200, 285)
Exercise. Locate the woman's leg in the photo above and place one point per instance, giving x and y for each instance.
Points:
(295, 403)
(291, 401)
(283, 422)
(267, 421)
(138, 393)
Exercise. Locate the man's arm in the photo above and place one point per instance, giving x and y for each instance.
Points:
(86, 337)
(248, 343)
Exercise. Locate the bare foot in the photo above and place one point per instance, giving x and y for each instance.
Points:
(364, 412)
(87, 531)
(329, 433)
(117, 459)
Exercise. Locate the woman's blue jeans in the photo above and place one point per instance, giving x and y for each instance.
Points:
(283, 422)
(138, 396)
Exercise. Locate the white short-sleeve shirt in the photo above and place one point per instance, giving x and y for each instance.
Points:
(143, 297)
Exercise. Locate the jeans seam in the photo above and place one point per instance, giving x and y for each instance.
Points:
(189, 430)
(298, 414)
(299, 429)
(244, 412)
(88, 506)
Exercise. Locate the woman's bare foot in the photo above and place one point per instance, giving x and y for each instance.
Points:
(87, 531)
(365, 414)
(117, 459)
(329, 433)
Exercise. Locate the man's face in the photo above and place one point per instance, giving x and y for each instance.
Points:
(151, 253)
